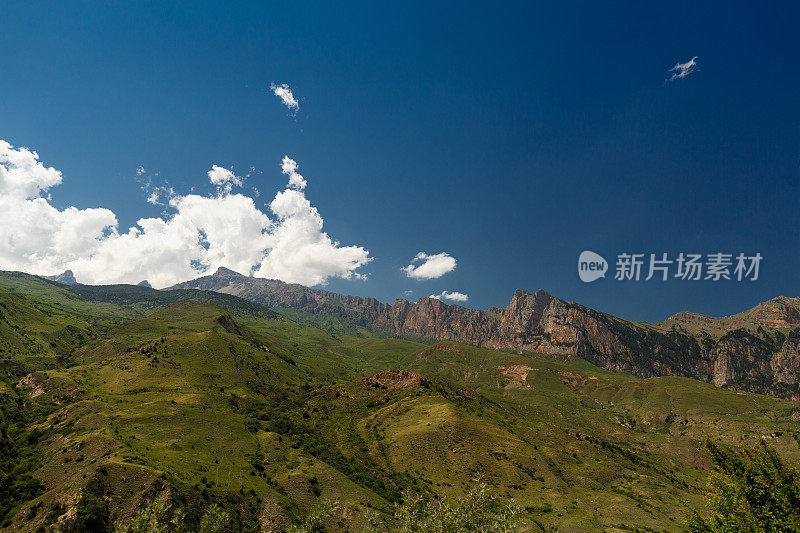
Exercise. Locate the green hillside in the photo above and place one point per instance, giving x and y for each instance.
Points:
(193, 397)
(122, 301)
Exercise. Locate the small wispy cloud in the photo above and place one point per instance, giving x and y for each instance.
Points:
(285, 94)
(454, 296)
(430, 266)
(159, 195)
(156, 194)
(682, 70)
(289, 167)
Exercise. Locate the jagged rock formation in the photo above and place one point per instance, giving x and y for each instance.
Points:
(751, 350)
(65, 277)
(145, 283)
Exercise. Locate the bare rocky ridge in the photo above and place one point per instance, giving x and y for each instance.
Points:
(756, 350)
(780, 312)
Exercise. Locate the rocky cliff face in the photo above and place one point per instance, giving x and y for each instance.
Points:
(760, 361)
(734, 351)
(785, 364)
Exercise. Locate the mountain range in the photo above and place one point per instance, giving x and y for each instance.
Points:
(757, 350)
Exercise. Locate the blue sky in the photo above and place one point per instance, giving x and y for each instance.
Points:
(511, 136)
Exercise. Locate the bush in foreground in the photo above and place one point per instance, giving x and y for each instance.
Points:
(159, 516)
(754, 491)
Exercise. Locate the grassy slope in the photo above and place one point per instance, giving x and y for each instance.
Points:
(121, 301)
(35, 334)
(284, 410)
(601, 449)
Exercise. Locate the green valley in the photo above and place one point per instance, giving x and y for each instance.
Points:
(131, 395)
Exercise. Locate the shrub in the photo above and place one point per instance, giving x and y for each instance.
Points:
(753, 491)
(161, 515)
(313, 522)
(477, 511)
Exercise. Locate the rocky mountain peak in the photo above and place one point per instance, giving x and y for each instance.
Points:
(223, 272)
(521, 298)
(427, 300)
(541, 293)
(520, 293)
(526, 309)
(66, 277)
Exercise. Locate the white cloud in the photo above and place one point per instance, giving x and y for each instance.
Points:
(298, 248)
(289, 167)
(681, 70)
(200, 234)
(140, 170)
(223, 178)
(22, 175)
(285, 94)
(425, 266)
(454, 296)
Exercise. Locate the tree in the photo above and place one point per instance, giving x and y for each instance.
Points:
(753, 492)
(92, 510)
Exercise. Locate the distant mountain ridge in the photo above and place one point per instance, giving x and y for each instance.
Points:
(779, 312)
(749, 351)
